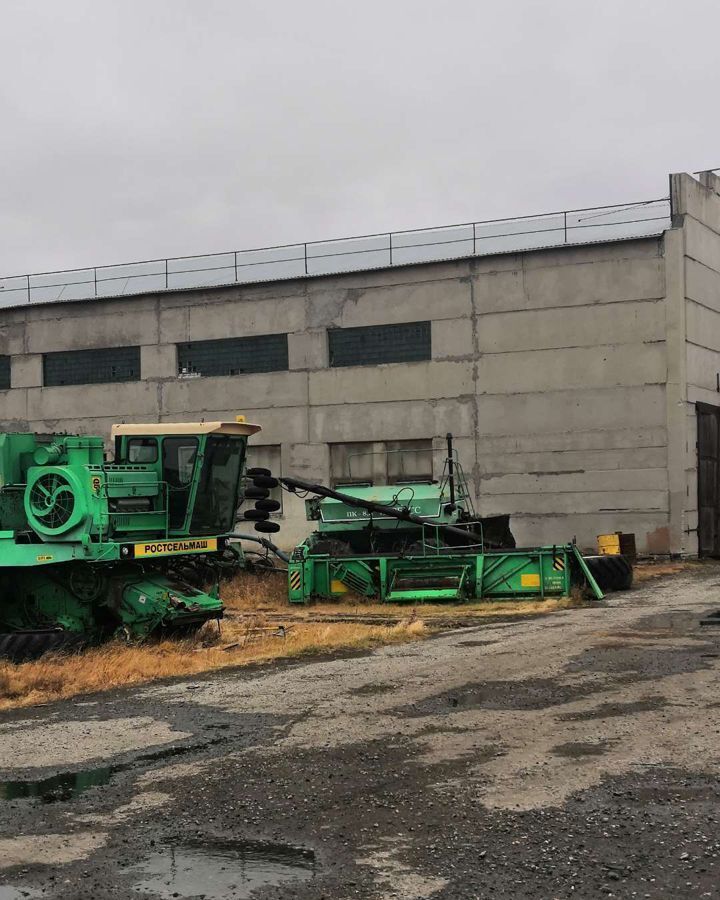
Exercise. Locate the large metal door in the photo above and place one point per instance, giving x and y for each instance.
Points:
(708, 450)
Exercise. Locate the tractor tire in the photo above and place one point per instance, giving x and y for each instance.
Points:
(612, 573)
(267, 527)
(267, 505)
(265, 481)
(256, 515)
(22, 646)
(256, 493)
(257, 470)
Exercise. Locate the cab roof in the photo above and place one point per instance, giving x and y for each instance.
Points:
(146, 429)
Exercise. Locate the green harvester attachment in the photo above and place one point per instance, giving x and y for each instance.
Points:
(422, 542)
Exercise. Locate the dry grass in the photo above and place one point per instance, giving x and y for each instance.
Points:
(646, 571)
(256, 608)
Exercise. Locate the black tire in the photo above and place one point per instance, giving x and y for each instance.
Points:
(257, 470)
(22, 646)
(265, 481)
(267, 527)
(256, 493)
(256, 515)
(612, 573)
(267, 505)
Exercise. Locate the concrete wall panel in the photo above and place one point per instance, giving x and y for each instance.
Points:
(402, 420)
(232, 318)
(572, 462)
(395, 381)
(548, 411)
(88, 328)
(228, 392)
(582, 326)
(122, 401)
(572, 368)
(702, 284)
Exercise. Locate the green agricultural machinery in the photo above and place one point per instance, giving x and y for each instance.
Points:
(91, 549)
(421, 541)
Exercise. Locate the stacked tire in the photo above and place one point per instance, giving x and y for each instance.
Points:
(612, 572)
(261, 483)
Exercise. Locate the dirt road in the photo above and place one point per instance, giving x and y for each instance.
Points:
(570, 755)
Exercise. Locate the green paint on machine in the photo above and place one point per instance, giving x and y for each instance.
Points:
(92, 548)
(422, 542)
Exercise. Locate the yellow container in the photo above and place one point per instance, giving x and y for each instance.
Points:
(617, 543)
(609, 544)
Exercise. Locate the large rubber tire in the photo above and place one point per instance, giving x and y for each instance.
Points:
(267, 505)
(22, 646)
(256, 493)
(265, 481)
(258, 470)
(267, 527)
(612, 573)
(256, 515)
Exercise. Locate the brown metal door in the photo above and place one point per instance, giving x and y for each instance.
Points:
(708, 450)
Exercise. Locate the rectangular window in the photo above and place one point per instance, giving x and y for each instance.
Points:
(142, 450)
(105, 365)
(234, 356)
(266, 457)
(4, 373)
(370, 345)
(381, 462)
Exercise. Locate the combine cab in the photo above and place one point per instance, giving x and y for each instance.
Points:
(90, 548)
(421, 541)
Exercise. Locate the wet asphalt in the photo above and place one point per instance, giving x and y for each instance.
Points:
(575, 755)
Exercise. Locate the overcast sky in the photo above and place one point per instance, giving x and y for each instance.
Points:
(135, 129)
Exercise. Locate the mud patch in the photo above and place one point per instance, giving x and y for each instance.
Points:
(533, 693)
(233, 869)
(366, 690)
(613, 710)
(578, 749)
(476, 643)
(645, 662)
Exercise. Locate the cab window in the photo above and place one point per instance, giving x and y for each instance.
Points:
(142, 450)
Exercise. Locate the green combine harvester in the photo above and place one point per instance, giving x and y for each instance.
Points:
(421, 541)
(91, 549)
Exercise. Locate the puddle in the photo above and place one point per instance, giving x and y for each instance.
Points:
(57, 787)
(234, 869)
(66, 785)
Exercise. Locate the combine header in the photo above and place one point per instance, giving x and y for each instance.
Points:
(421, 541)
(91, 549)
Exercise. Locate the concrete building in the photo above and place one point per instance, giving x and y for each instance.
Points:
(572, 377)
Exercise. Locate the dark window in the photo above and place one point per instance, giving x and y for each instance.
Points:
(381, 462)
(178, 457)
(373, 344)
(142, 450)
(91, 366)
(234, 356)
(217, 494)
(4, 373)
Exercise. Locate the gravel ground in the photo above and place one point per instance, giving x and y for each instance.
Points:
(574, 754)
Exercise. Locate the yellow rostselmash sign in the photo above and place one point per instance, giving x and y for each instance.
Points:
(162, 548)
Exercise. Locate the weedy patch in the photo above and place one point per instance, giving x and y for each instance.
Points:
(259, 626)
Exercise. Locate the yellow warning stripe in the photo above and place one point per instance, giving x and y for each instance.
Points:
(295, 579)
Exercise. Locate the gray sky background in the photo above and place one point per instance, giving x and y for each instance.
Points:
(136, 129)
